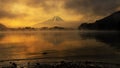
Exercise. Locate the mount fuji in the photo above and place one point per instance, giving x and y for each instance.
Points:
(56, 21)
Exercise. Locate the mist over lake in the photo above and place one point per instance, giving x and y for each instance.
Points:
(56, 45)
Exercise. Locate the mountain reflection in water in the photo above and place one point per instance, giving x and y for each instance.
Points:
(71, 45)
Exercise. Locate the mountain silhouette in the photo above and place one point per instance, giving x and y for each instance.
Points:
(110, 22)
(2, 27)
(56, 21)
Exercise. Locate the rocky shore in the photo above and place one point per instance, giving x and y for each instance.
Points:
(61, 64)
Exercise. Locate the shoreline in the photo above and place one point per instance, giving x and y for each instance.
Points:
(55, 59)
(59, 64)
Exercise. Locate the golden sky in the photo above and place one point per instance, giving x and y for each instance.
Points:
(18, 13)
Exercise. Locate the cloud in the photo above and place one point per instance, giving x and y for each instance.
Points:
(36, 2)
(5, 9)
(92, 7)
(5, 14)
(47, 5)
(84, 9)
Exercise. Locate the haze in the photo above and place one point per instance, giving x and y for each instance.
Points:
(20, 13)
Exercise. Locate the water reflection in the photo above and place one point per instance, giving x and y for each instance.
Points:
(58, 44)
(110, 38)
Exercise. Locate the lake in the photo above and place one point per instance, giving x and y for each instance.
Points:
(53, 45)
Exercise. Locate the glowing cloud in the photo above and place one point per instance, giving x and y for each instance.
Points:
(18, 13)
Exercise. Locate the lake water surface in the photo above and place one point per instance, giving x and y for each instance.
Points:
(57, 45)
